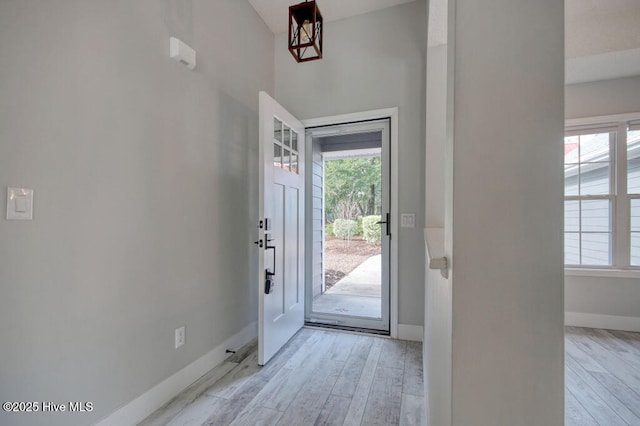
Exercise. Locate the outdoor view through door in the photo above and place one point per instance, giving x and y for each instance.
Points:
(348, 201)
(352, 250)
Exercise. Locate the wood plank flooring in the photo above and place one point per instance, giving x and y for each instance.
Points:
(330, 378)
(602, 377)
(319, 378)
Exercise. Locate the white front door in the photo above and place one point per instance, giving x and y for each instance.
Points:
(281, 238)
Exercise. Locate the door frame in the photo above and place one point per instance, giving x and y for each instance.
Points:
(392, 115)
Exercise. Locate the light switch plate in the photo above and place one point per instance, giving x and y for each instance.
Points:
(19, 204)
(408, 220)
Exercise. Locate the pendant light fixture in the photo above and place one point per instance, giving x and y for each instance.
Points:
(305, 31)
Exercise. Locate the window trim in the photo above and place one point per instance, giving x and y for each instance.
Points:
(571, 271)
(621, 217)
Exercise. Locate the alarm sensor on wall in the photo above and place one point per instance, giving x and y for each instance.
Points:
(182, 53)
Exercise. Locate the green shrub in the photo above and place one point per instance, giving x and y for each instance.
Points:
(371, 229)
(344, 228)
(328, 230)
(359, 228)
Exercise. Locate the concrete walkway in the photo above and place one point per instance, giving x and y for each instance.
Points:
(362, 281)
(357, 294)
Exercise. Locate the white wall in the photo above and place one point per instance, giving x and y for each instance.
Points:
(373, 61)
(145, 186)
(438, 293)
(603, 300)
(504, 228)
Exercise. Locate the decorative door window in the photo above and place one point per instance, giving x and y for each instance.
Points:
(285, 147)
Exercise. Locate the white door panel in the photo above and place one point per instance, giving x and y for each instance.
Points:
(281, 311)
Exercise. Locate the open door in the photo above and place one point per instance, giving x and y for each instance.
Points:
(281, 238)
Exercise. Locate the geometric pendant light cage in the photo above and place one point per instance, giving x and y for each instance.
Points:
(305, 31)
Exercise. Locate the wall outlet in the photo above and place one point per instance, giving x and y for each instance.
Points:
(408, 220)
(181, 336)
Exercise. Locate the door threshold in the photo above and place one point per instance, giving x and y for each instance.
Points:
(347, 329)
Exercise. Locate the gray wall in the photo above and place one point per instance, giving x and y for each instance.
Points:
(436, 121)
(315, 205)
(602, 97)
(504, 234)
(145, 178)
(373, 61)
(602, 295)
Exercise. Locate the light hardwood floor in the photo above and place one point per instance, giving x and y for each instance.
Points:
(330, 378)
(319, 378)
(602, 377)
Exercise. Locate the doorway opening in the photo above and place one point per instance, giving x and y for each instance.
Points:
(348, 226)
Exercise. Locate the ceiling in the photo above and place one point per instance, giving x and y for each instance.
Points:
(275, 12)
(602, 37)
(600, 26)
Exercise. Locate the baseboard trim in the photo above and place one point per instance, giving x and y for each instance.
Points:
(410, 332)
(609, 322)
(141, 407)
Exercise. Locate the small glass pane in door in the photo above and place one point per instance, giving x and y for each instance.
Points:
(277, 129)
(287, 136)
(285, 160)
(277, 155)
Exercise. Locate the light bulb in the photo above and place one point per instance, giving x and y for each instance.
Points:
(306, 31)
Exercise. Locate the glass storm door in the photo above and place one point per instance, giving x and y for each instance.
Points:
(348, 226)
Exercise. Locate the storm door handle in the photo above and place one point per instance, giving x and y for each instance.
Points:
(387, 222)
